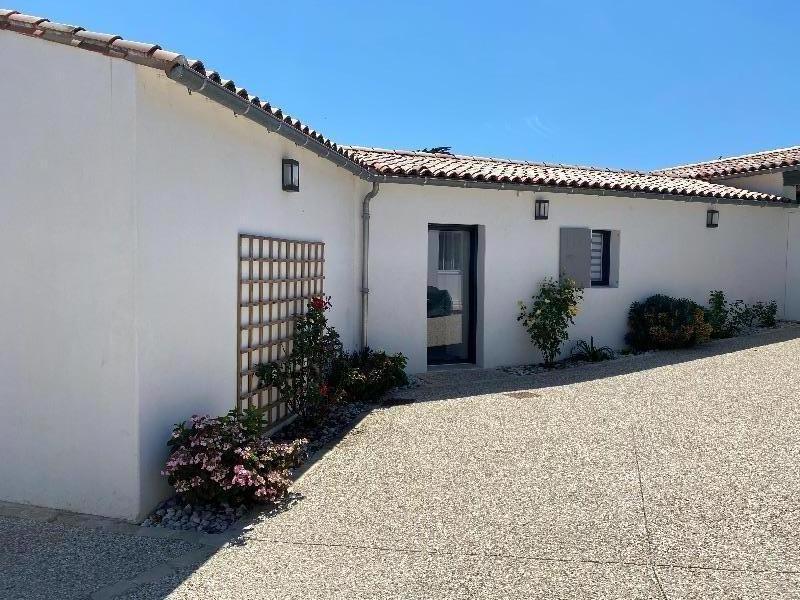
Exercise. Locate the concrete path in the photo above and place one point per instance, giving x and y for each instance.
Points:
(668, 475)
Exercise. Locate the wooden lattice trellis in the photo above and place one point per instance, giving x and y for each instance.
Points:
(277, 277)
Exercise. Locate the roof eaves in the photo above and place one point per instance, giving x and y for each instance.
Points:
(191, 73)
(756, 199)
(745, 165)
(422, 168)
(248, 106)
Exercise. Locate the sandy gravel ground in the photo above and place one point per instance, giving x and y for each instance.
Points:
(668, 475)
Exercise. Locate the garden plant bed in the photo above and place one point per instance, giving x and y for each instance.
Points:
(175, 513)
(222, 466)
(180, 515)
(570, 362)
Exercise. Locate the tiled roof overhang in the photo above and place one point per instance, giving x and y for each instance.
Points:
(469, 171)
(769, 161)
(383, 165)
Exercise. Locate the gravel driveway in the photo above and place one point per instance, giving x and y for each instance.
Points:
(669, 475)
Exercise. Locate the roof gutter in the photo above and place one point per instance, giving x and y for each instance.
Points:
(196, 82)
(572, 190)
(376, 187)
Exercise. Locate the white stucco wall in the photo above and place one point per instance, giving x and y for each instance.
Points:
(122, 201)
(768, 183)
(203, 177)
(68, 426)
(122, 204)
(793, 267)
(665, 247)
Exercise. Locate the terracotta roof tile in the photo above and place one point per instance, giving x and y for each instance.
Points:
(94, 38)
(49, 26)
(391, 163)
(738, 165)
(136, 47)
(397, 163)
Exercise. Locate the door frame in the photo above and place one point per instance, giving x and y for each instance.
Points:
(472, 292)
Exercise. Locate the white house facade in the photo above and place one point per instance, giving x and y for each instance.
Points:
(123, 204)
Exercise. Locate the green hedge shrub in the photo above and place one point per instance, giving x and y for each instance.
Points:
(662, 322)
(366, 375)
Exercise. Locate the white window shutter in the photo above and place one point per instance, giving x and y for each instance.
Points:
(575, 255)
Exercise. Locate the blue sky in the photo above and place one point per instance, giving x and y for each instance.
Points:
(615, 83)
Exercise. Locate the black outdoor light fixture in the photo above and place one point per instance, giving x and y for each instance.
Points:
(712, 218)
(541, 209)
(291, 175)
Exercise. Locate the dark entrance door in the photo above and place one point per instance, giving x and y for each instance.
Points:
(451, 293)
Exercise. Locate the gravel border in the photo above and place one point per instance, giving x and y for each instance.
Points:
(570, 363)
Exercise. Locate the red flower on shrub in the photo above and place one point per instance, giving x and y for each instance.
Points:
(320, 303)
(324, 390)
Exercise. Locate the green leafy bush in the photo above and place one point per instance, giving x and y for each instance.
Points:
(227, 459)
(366, 375)
(717, 314)
(731, 318)
(663, 322)
(740, 316)
(766, 314)
(319, 373)
(551, 313)
(301, 376)
(727, 319)
(590, 352)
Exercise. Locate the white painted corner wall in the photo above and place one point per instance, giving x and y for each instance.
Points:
(68, 387)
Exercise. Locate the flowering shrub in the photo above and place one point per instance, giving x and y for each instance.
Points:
(301, 376)
(227, 459)
(366, 374)
(663, 322)
(552, 312)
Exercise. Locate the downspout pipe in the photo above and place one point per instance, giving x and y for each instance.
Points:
(376, 187)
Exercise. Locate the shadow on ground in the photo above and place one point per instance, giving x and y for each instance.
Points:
(47, 554)
(445, 385)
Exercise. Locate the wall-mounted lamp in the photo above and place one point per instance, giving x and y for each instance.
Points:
(712, 218)
(291, 175)
(541, 209)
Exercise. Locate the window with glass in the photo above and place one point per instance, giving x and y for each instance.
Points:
(451, 293)
(600, 257)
